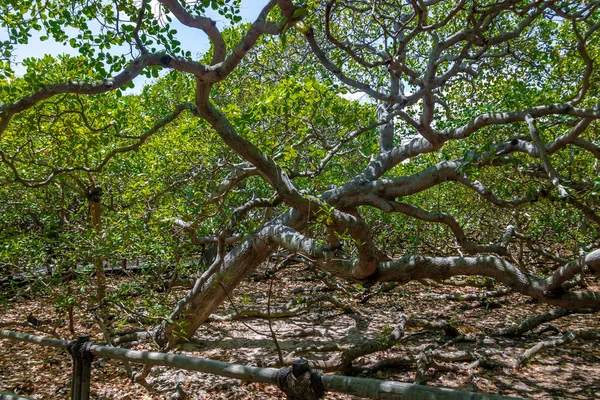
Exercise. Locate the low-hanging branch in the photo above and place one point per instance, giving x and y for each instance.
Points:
(568, 338)
(417, 267)
(535, 321)
(472, 296)
(371, 345)
(293, 307)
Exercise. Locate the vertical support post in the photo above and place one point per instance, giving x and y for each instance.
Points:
(76, 374)
(82, 367)
(300, 382)
(94, 196)
(86, 375)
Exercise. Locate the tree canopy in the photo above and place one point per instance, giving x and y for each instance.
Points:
(379, 141)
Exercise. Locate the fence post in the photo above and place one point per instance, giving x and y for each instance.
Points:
(82, 367)
(10, 396)
(300, 382)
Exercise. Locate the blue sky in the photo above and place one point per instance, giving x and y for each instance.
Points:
(191, 39)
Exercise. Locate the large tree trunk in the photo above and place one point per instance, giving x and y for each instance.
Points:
(193, 310)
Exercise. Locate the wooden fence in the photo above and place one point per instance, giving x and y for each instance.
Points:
(10, 396)
(83, 351)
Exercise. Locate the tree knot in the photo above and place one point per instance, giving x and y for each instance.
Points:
(166, 59)
(93, 193)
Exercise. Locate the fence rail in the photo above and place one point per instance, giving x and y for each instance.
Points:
(83, 351)
(10, 396)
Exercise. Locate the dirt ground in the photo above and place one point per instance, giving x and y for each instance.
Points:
(571, 371)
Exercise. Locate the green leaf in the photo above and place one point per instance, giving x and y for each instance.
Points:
(283, 38)
(299, 14)
(282, 22)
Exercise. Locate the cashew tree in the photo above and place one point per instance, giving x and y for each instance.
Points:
(467, 131)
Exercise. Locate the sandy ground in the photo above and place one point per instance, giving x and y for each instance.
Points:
(569, 372)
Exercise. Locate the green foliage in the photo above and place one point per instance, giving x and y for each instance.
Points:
(282, 101)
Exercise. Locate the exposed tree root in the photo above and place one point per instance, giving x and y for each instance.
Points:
(541, 346)
(110, 342)
(282, 312)
(488, 304)
(479, 300)
(290, 357)
(536, 320)
(395, 362)
(467, 282)
(131, 338)
(472, 296)
(380, 343)
(309, 290)
(384, 288)
(437, 359)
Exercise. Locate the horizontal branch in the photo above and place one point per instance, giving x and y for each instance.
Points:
(534, 321)
(568, 338)
(518, 116)
(418, 267)
(103, 86)
(383, 192)
(453, 224)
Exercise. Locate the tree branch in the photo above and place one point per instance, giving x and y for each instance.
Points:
(200, 22)
(552, 175)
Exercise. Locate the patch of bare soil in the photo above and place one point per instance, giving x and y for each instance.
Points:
(571, 371)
